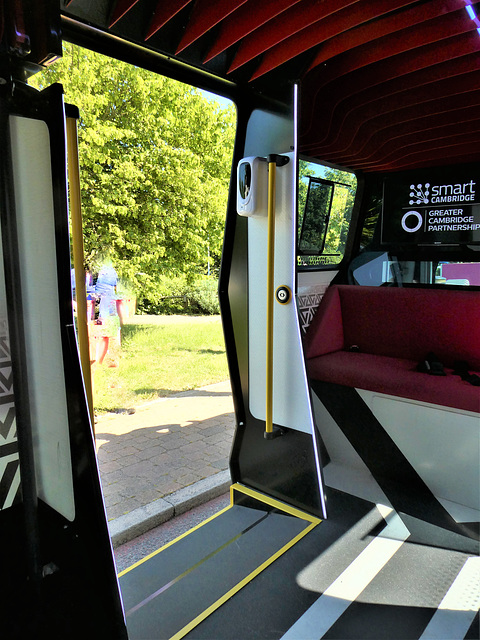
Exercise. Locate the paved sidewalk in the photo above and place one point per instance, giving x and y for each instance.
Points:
(162, 455)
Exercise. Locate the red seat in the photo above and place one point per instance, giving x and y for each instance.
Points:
(394, 329)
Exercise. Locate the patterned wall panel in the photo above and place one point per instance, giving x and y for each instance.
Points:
(9, 462)
(308, 300)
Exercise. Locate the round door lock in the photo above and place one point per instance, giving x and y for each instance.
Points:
(283, 294)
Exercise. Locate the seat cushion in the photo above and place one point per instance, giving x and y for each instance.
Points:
(394, 376)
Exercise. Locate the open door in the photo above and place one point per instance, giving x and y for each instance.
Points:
(277, 448)
(55, 551)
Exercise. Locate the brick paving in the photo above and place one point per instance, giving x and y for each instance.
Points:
(164, 446)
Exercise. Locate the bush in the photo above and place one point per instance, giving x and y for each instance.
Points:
(180, 297)
(203, 297)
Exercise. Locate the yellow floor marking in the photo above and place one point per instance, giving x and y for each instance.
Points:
(271, 502)
(202, 616)
(169, 544)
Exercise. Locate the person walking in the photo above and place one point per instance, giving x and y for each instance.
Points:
(108, 319)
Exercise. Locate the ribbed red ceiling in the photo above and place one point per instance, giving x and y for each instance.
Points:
(384, 85)
(248, 19)
(357, 35)
(205, 15)
(281, 28)
(120, 9)
(340, 32)
(163, 13)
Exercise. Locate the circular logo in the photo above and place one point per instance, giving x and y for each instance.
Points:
(416, 221)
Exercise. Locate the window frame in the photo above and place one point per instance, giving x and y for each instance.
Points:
(300, 228)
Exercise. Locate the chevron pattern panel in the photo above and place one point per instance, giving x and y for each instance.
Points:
(9, 462)
(307, 306)
(308, 300)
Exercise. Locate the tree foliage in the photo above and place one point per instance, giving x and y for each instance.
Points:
(155, 160)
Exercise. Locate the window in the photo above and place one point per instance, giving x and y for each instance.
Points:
(458, 273)
(378, 268)
(325, 205)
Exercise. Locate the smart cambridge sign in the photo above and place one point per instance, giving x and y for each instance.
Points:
(441, 208)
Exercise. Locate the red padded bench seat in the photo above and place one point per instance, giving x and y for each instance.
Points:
(394, 329)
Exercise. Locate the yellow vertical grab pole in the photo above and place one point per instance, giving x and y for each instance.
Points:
(274, 161)
(272, 167)
(78, 257)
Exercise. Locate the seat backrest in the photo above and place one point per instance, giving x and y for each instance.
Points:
(399, 322)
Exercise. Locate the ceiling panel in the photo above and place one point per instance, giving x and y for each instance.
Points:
(383, 85)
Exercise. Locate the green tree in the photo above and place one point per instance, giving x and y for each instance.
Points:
(341, 211)
(155, 160)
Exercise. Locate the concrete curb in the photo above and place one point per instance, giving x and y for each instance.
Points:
(141, 520)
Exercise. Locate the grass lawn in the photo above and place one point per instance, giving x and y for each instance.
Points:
(161, 356)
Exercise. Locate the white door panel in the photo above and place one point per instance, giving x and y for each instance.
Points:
(291, 399)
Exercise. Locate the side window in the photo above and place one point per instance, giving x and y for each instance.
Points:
(458, 273)
(378, 268)
(326, 198)
(315, 217)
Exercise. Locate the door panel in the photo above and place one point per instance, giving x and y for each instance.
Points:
(30, 148)
(291, 400)
(287, 467)
(55, 549)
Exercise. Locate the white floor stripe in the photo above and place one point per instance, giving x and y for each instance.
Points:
(316, 621)
(458, 608)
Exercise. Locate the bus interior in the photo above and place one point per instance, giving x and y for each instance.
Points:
(350, 301)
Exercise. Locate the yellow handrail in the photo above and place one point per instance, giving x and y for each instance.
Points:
(274, 161)
(78, 258)
(272, 166)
